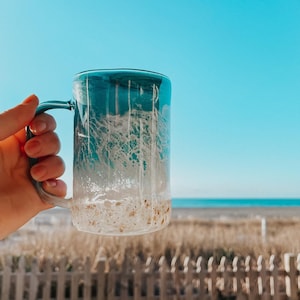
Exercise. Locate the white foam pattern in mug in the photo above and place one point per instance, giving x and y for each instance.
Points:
(121, 173)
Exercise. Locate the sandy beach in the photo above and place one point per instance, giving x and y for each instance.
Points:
(236, 212)
(59, 215)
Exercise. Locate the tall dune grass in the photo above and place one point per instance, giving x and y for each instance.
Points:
(181, 238)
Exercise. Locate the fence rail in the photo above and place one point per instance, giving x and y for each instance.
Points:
(30, 278)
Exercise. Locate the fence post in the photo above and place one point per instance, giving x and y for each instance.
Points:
(111, 279)
(251, 278)
(298, 269)
(163, 278)
(264, 230)
(137, 279)
(20, 279)
(175, 276)
(188, 271)
(47, 272)
(150, 282)
(6, 278)
(226, 280)
(274, 282)
(101, 278)
(239, 276)
(125, 274)
(74, 279)
(201, 270)
(87, 279)
(34, 280)
(212, 282)
(263, 283)
(291, 276)
(61, 279)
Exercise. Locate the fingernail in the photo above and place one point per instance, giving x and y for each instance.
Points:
(38, 127)
(51, 183)
(32, 148)
(30, 99)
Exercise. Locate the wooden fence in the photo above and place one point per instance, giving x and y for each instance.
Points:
(29, 278)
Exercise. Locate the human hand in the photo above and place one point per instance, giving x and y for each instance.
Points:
(19, 200)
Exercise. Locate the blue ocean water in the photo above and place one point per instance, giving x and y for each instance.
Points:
(194, 202)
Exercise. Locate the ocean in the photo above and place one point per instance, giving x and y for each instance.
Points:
(215, 203)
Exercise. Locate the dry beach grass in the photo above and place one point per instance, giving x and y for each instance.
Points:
(203, 233)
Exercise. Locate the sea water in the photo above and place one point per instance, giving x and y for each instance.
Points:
(233, 202)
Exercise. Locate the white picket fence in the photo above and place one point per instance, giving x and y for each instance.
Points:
(29, 278)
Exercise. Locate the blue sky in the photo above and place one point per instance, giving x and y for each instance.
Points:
(234, 67)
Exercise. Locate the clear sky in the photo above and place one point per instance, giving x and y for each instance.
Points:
(234, 67)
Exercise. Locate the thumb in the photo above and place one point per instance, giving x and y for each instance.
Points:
(13, 120)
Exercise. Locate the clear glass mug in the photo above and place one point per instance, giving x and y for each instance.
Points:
(121, 169)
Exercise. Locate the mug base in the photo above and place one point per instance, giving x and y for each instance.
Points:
(115, 232)
(121, 218)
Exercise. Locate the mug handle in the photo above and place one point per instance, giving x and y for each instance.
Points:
(49, 198)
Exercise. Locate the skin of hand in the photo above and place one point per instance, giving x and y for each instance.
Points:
(19, 200)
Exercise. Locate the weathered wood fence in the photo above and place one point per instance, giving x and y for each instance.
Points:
(29, 278)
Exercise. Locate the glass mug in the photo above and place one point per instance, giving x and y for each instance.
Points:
(121, 164)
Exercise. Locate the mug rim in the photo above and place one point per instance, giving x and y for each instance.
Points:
(107, 70)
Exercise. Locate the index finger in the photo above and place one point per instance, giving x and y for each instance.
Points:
(16, 118)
